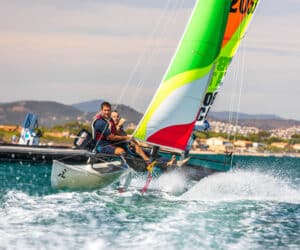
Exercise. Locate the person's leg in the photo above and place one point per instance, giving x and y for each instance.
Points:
(140, 151)
(172, 162)
(119, 151)
(108, 149)
(112, 150)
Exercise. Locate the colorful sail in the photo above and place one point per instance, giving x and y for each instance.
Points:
(173, 111)
(241, 13)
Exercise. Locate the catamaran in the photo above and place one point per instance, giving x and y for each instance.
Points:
(191, 82)
(188, 89)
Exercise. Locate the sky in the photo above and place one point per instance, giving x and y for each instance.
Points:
(72, 51)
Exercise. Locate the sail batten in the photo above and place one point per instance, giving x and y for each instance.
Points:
(172, 113)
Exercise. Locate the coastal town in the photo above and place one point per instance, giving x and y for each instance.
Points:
(220, 138)
(249, 140)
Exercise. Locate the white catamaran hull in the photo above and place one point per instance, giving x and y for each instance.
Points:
(85, 176)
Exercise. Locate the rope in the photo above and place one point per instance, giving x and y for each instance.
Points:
(148, 65)
(239, 79)
(138, 63)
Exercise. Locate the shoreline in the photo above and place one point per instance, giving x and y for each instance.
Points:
(295, 155)
(199, 152)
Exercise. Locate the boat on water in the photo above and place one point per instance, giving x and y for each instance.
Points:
(180, 104)
(45, 155)
(86, 176)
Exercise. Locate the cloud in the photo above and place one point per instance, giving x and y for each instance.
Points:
(91, 18)
(75, 50)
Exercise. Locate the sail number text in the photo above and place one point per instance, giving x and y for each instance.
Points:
(208, 101)
(243, 6)
(210, 97)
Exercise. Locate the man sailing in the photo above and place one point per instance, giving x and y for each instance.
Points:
(107, 137)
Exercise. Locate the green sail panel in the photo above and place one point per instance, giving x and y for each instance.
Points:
(241, 13)
(172, 113)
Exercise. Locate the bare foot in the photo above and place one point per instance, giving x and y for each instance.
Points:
(172, 162)
(183, 162)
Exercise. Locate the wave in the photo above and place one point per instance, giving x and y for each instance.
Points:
(243, 185)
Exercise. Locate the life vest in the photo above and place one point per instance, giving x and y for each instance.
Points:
(111, 125)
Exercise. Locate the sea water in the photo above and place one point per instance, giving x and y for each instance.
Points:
(254, 206)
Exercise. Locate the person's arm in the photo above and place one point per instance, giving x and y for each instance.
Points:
(112, 137)
(102, 127)
(119, 126)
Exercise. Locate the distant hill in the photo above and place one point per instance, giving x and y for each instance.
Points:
(127, 112)
(268, 124)
(261, 121)
(54, 113)
(89, 106)
(50, 113)
(225, 115)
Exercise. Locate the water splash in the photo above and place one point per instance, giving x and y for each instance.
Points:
(171, 182)
(97, 244)
(243, 185)
(264, 212)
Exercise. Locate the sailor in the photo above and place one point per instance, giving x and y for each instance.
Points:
(118, 128)
(108, 140)
(104, 132)
(119, 122)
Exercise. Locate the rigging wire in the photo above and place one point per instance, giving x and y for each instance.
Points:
(240, 88)
(146, 48)
(238, 80)
(242, 81)
(138, 63)
(150, 58)
(162, 38)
